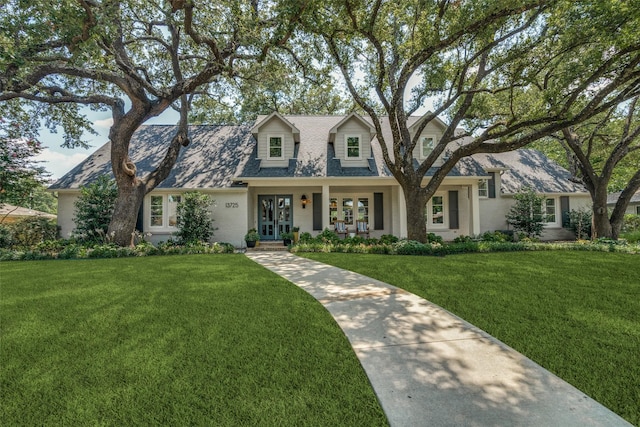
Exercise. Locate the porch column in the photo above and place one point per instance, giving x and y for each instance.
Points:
(475, 209)
(402, 212)
(326, 221)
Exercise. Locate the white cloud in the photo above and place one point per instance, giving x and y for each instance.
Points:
(104, 123)
(60, 163)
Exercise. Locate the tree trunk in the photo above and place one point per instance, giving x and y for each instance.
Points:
(601, 227)
(415, 204)
(125, 214)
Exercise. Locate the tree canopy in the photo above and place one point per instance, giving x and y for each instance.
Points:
(136, 58)
(508, 72)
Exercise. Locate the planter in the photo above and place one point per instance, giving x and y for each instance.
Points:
(287, 242)
(251, 243)
(296, 236)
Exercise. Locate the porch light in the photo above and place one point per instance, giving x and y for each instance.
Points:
(304, 201)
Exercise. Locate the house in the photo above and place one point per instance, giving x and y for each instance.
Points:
(309, 171)
(10, 214)
(634, 204)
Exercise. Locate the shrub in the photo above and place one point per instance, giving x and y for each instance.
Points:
(6, 236)
(631, 223)
(29, 232)
(388, 239)
(580, 223)
(94, 209)
(194, 218)
(434, 238)
(526, 215)
(495, 236)
(328, 236)
(305, 237)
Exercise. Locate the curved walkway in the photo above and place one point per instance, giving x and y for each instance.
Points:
(431, 368)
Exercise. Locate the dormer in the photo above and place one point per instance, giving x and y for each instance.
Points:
(351, 139)
(429, 138)
(276, 137)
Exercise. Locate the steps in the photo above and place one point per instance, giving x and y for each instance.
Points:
(269, 245)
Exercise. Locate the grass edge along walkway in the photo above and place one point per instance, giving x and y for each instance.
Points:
(575, 313)
(172, 340)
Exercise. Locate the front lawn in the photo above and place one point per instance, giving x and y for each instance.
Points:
(189, 340)
(575, 313)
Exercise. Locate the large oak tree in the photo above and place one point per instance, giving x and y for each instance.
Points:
(595, 149)
(137, 58)
(509, 71)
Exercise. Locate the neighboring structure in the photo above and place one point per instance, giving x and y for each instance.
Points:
(634, 204)
(10, 214)
(309, 171)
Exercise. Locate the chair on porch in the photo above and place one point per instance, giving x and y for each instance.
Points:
(341, 228)
(362, 229)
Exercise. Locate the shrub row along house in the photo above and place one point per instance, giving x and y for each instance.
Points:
(311, 171)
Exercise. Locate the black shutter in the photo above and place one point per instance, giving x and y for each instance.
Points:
(317, 211)
(492, 185)
(564, 211)
(378, 212)
(140, 219)
(453, 210)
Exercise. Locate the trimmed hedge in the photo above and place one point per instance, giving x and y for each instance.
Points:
(463, 245)
(70, 249)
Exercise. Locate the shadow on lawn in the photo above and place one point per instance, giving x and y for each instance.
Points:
(428, 366)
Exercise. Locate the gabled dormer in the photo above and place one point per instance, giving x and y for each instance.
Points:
(351, 139)
(429, 137)
(276, 137)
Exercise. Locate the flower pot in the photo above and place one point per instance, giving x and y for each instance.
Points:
(251, 243)
(287, 242)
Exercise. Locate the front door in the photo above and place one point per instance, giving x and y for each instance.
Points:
(275, 216)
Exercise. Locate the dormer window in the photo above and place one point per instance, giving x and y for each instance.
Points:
(427, 143)
(353, 148)
(275, 146)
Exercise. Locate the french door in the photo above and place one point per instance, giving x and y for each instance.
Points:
(275, 216)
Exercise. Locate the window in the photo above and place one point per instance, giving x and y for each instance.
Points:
(435, 212)
(333, 210)
(352, 146)
(347, 210)
(157, 204)
(172, 209)
(163, 211)
(427, 144)
(275, 147)
(638, 210)
(483, 188)
(550, 210)
(349, 207)
(363, 209)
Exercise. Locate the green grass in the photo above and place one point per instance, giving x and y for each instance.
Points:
(189, 340)
(575, 313)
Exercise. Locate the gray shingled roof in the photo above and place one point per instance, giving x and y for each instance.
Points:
(612, 198)
(530, 168)
(212, 159)
(219, 154)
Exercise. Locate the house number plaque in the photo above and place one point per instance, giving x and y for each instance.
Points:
(232, 205)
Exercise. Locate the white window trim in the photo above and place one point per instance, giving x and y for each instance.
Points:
(486, 183)
(165, 212)
(556, 208)
(275, 135)
(422, 138)
(346, 146)
(354, 197)
(445, 213)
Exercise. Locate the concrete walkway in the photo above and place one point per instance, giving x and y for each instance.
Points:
(431, 368)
